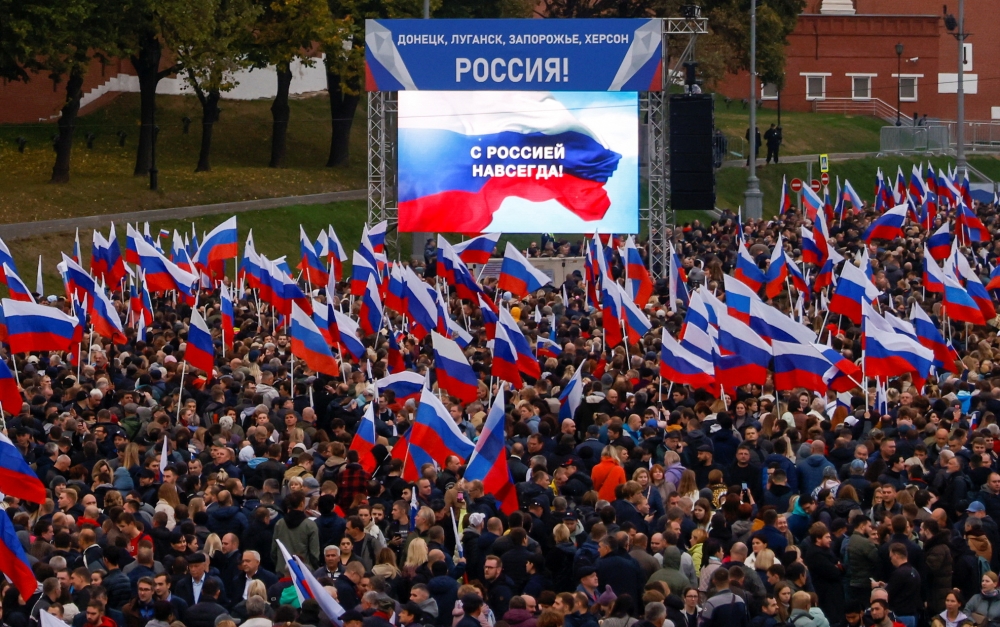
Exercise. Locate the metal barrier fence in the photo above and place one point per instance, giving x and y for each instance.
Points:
(903, 139)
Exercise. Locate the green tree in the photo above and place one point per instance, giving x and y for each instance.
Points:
(147, 28)
(211, 60)
(61, 40)
(286, 31)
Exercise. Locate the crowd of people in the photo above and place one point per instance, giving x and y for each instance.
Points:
(653, 505)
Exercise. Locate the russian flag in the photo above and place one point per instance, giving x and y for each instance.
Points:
(852, 197)
(115, 272)
(312, 268)
(939, 243)
(19, 480)
(375, 236)
(365, 440)
(571, 396)
(465, 284)
(347, 334)
(394, 355)
(917, 189)
(994, 282)
(488, 462)
(811, 252)
(283, 290)
(958, 304)
(321, 316)
(103, 315)
(200, 351)
(853, 288)
(162, 275)
(478, 249)
(968, 227)
(5, 259)
(887, 226)
(446, 259)
(179, 254)
(933, 274)
(811, 202)
(18, 290)
(32, 327)
(308, 344)
(637, 280)
(77, 281)
(454, 373)
(798, 365)
(421, 307)
(361, 270)
(13, 561)
(745, 356)
(434, 436)
(220, 244)
(404, 385)
(395, 295)
(228, 316)
(844, 375)
(747, 269)
(738, 298)
(532, 122)
(636, 323)
(786, 200)
(977, 291)
(678, 281)
(526, 362)
(370, 316)
(490, 316)
(336, 254)
(250, 266)
(945, 355)
(798, 281)
(891, 354)
(777, 270)
(547, 348)
(518, 276)
(76, 247)
(680, 365)
(504, 364)
(771, 324)
(98, 262)
(611, 314)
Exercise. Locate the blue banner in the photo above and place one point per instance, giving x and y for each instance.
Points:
(522, 55)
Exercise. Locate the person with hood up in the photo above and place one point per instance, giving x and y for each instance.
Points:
(671, 571)
(299, 534)
(725, 441)
(801, 516)
(810, 469)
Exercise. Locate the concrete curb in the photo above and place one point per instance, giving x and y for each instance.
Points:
(22, 230)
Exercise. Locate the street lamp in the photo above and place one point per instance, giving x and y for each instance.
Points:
(754, 198)
(957, 29)
(899, 82)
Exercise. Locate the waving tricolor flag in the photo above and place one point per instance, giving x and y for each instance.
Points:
(571, 396)
(811, 202)
(312, 268)
(32, 327)
(404, 385)
(371, 315)
(929, 336)
(17, 288)
(220, 244)
(163, 275)
(786, 200)
(747, 269)
(637, 280)
(939, 243)
(347, 334)
(19, 480)
(889, 225)
(488, 462)
(103, 315)
(478, 249)
(200, 351)
(336, 254)
(958, 304)
(454, 373)
(434, 436)
(843, 374)
(504, 363)
(308, 344)
(682, 366)
(889, 354)
(968, 227)
(777, 270)
(677, 281)
(798, 365)
(365, 439)
(518, 276)
(853, 289)
(14, 562)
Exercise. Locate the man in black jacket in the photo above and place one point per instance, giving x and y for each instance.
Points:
(499, 586)
(191, 586)
(207, 609)
(618, 569)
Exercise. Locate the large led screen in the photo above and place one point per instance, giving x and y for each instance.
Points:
(518, 162)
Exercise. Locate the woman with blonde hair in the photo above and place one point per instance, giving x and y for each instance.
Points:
(608, 474)
(415, 568)
(689, 485)
(167, 503)
(385, 567)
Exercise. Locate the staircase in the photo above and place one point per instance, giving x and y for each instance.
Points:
(874, 107)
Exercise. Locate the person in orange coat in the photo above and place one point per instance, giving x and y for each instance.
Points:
(608, 474)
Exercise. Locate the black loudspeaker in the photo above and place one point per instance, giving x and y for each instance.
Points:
(692, 175)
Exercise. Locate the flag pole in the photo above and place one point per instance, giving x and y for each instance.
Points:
(180, 391)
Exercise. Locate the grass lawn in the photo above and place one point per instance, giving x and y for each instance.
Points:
(804, 133)
(101, 179)
(731, 182)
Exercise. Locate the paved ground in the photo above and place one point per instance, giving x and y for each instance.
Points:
(30, 229)
(834, 156)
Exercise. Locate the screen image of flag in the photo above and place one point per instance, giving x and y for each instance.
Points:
(518, 162)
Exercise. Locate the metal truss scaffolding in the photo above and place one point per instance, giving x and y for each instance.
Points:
(382, 179)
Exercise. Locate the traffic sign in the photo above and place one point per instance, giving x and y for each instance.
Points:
(796, 185)
(814, 184)
(824, 163)
(824, 178)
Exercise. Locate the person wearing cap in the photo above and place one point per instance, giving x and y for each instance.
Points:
(191, 587)
(705, 463)
(578, 481)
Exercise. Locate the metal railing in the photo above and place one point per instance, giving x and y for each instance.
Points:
(978, 135)
(874, 107)
(913, 139)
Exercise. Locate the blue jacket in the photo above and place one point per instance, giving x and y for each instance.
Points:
(811, 472)
(725, 443)
(785, 464)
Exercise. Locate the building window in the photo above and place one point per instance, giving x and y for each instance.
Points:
(815, 87)
(861, 87)
(908, 89)
(768, 91)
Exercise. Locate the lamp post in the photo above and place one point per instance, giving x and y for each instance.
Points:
(899, 82)
(961, 165)
(754, 198)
